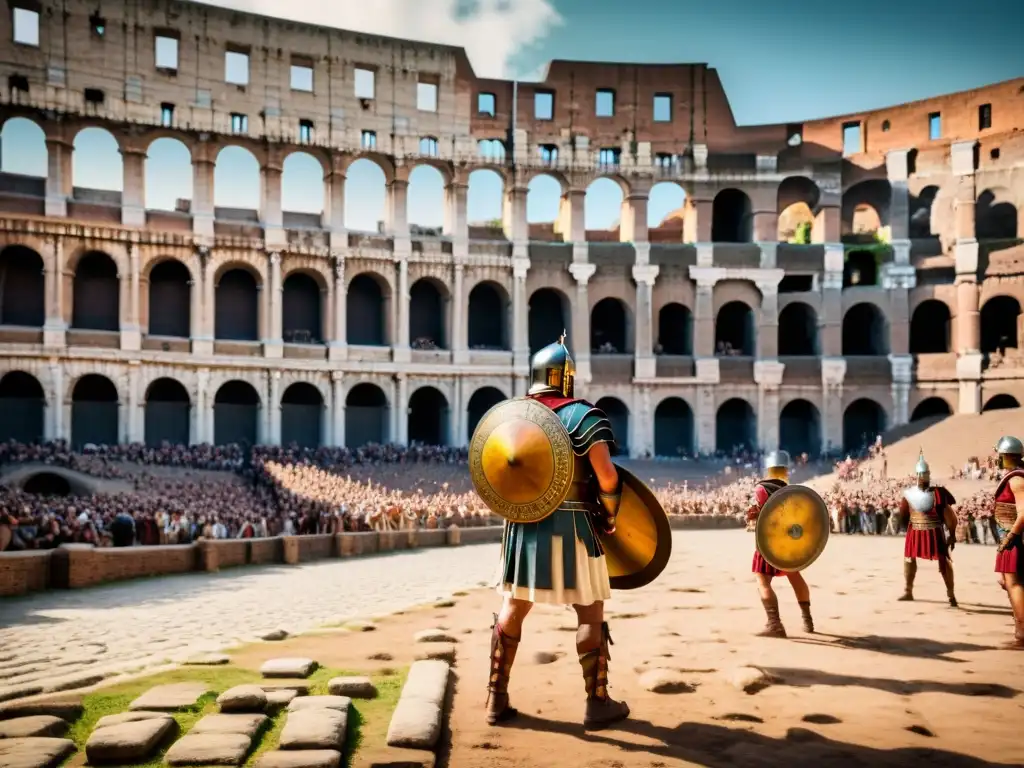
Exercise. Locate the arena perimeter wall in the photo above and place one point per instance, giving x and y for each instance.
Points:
(74, 566)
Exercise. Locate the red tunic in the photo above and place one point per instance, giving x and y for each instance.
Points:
(929, 544)
(554, 401)
(762, 491)
(1012, 559)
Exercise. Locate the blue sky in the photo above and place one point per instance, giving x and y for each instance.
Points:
(780, 61)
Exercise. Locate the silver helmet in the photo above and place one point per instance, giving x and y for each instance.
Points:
(1011, 445)
(922, 466)
(776, 459)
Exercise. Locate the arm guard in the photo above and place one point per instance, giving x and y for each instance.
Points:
(609, 509)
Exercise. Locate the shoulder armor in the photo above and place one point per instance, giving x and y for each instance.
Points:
(920, 501)
(587, 425)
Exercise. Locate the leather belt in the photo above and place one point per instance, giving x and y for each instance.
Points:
(1005, 514)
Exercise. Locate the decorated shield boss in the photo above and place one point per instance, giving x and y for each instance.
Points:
(792, 528)
(521, 460)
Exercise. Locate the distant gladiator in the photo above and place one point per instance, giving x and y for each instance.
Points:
(1009, 516)
(924, 509)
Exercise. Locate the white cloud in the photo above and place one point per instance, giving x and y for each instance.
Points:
(491, 31)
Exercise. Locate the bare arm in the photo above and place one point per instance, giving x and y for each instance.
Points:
(607, 475)
(949, 517)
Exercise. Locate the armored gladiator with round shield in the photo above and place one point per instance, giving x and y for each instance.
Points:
(576, 524)
(792, 527)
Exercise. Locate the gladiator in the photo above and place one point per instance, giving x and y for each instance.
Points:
(1009, 517)
(924, 510)
(560, 560)
(777, 471)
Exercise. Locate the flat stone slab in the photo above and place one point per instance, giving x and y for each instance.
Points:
(354, 687)
(128, 741)
(439, 651)
(394, 757)
(303, 758)
(340, 703)
(288, 668)
(433, 636)
(33, 725)
(71, 682)
(247, 725)
(208, 749)
(65, 708)
(8, 692)
(418, 718)
(301, 687)
(278, 700)
(207, 660)
(427, 680)
(317, 728)
(274, 635)
(749, 679)
(170, 698)
(34, 752)
(243, 698)
(130, 717)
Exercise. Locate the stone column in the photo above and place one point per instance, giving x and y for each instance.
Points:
(633, 221)
(271, 215)
(833, 373)
(203, 309)
(204, 160)
(398, 208)
(641, 424)
(136, 426)
(55, 424)
(456, 222)
(133, 197)
(131, 334)
(203, 408)
(338, 410)
(400, 339)
(459, 331)
(58, 176)
(768, 314)
(579, 334)
(898, 171)
(902, 380)
(54, 327)
(338, 345)
(768, 375)
(273, 347)
(520, 323)
(830, 319)
(644, 363)
(769, 253)
(274, 407)
(970, 359)
(571, 223)
(515, 223)
(400, 424)
(334, 211)
(704, 312)
(704, 426)
(456, 422)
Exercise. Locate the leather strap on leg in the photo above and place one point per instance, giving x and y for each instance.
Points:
(595, 666)
(503, 653)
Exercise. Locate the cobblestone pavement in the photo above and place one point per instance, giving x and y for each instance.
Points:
(59, 639)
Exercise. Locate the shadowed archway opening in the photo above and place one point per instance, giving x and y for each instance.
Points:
(929, 328)
(427, 315)
(673, 428)
(798, 331)
(22, 407)
(996, 216)
(95, 300)
(488, 317)
(482, 401)
(365, 312)
(921, 206)
(302, 416)
(237, 311)
(618, 415)
(930, 408)
(47, 484)
(735, 426)
(608, 327)
(865, 331)
(1000, 324)
(94, 412)
(22, 287)
(734, 330)
(1000, 403)
(675, 330)
(302, 310)
(732, 220)
(549, 317)
(800, 429)
(236, 413)
(863, 421)
(366, 416)
(167, 413)
(860, 270)
(428, 417)
(170, 300)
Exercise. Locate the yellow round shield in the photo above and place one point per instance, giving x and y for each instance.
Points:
(521, 460)
(792, 528)
(641, 546)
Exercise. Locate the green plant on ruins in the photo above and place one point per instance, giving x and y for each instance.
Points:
(802, 234)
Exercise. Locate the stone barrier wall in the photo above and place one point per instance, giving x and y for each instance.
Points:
(74, 566)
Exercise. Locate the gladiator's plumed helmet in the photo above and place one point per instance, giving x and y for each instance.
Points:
(1009, 445)
(553, 370)
(777, 460)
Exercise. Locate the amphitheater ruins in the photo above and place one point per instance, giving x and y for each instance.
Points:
(823, 281)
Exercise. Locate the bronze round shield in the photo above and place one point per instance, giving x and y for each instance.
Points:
(792, 528)
(641, 546)
(521, 460)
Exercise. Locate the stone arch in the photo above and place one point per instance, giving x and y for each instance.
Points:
(921, 208)
(675, 330)
(865, 207)
(929, 328)
(488, 317)
(236, 413)
(550, 315)
(170, 299)
(800, 428)
(865, 330)
(428, 314)
(22, 407)
(673, 428)
(931, 407)
(167, 413)
(798, 330)
(485, 202)
(428, 417)
(491, 150)
(22, 287)
(602, 206)
(735, 425)
(1000, 324)
(169, 176)
(618, 415)
(96, 164)
(302, 185)
(734, 329)
(732, 217)
(863, 421)
(47, 484)
(32, 157)
(480, 403)
(860, 268)
(543, 199)
(1000, 402)
(237, 305)
(797, 203)
(95, 293)
(609, 327)
(302, 416)
(94, 412)
(426, 199)
(366, 416)
(995, 215)
(366, 196)
(237, 183)
(366, 310)
(665, 203)
(302, 308)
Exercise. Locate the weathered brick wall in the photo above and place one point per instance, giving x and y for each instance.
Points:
(231, 552)
(316, 547)
(22, 572)
(264, 551)
(89, 566)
